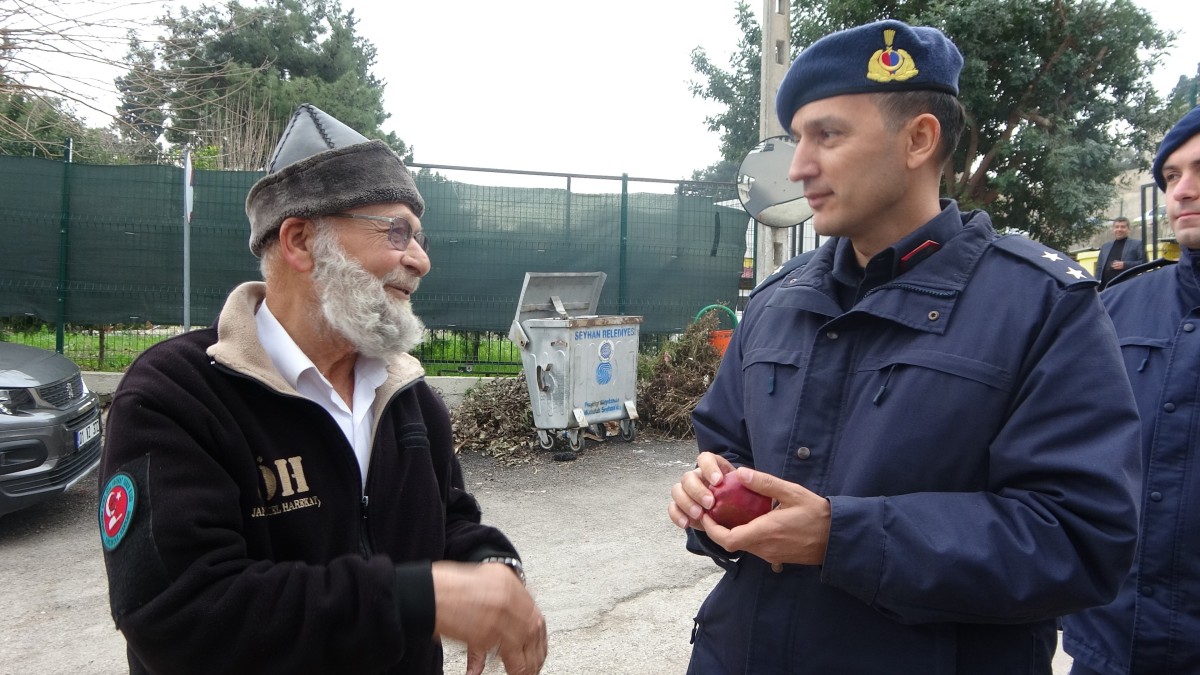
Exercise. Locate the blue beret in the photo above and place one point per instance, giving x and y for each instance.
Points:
(1184, 129)
(878, 57)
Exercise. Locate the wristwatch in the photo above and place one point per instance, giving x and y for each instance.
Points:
(513, 564)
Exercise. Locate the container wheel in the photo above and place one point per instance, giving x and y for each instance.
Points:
(628, 431)
(575, 439)
(545, 439)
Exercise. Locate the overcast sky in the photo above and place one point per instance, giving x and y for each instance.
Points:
(595, 86)
(584, 87)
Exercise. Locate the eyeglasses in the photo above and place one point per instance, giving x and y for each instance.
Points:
(399, 229)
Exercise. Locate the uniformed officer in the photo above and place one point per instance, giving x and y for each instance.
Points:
(1152, 626)
(920, 400)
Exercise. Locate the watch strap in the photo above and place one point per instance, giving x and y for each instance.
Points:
(513, 564)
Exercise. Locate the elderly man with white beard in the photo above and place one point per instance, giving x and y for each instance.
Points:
(279, 493)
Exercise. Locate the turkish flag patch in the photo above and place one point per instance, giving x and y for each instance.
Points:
(117, 502)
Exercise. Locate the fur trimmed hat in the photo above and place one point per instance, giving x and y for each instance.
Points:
(878, 57)
(1182, 132)
(322, 166)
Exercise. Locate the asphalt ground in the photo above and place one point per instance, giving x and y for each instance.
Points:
(606, 567)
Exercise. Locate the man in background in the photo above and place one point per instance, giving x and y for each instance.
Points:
(280, 492)
(1120, 254)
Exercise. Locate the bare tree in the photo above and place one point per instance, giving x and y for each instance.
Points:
(241, 133)
(59, 60)
(56, 52)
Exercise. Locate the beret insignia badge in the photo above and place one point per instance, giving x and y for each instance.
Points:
(888, 65)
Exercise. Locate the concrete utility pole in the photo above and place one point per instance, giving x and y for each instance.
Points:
(771, 251)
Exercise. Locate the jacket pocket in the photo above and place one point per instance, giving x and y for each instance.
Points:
(1140, 353)
(949, 364)
(930, 416)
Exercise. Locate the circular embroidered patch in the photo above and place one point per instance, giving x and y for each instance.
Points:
(116, 509)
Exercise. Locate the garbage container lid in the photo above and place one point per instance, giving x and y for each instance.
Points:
(559, 295)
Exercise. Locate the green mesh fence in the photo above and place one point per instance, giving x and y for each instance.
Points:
(100, 248)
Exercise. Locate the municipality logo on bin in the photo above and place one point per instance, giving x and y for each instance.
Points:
(604, 370)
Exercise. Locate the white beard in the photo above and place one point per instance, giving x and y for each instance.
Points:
(356, 304)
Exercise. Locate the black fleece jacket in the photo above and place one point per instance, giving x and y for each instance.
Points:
(251, 547)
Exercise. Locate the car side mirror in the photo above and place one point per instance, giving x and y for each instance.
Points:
(763, 185)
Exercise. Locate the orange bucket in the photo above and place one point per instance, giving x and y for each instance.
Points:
(719, 339)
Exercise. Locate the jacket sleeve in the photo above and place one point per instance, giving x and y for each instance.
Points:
(720, 431)
(184, 589)
(1138, 254)
(1056, 528)
(467, 539)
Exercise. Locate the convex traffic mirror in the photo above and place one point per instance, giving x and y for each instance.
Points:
(763, 185)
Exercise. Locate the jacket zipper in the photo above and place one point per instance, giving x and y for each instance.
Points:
(364, 539)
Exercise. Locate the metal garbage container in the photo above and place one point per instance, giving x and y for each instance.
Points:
(581, 368)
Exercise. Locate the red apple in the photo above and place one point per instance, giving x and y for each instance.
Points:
(735, 504)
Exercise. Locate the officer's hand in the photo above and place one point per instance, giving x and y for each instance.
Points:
(486, 607)
(691, 496)
(796, 531)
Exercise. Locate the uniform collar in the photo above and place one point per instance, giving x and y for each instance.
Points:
(923, 289)
(902, 256)
(1188, 269)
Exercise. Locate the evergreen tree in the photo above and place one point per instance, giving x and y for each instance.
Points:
(230, 76)
(1057, 93)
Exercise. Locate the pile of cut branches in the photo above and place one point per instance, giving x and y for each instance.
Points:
(495, 419)
(680, 376)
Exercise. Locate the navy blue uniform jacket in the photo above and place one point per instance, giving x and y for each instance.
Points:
(980, 487)
(1153, 627)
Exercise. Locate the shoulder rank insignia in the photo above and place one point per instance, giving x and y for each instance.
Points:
(887, 65)
(1059, 265)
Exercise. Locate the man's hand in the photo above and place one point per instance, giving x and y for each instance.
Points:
(486, 607)
(1118, 264)
(691, 497)
(796, 531)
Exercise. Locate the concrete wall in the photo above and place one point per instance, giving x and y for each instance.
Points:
(453, 389)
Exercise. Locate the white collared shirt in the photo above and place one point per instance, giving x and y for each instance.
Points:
(300, 372)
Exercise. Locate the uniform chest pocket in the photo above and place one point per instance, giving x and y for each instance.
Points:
(929, 417)
(1140, 352)
(767, 370)
(924, 390)
(954, 365)
(771, 380)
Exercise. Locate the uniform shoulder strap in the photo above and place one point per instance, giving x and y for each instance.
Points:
(1058, 265)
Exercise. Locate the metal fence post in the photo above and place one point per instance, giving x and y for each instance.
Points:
(187, 239)
(624, 272)
(63, 223)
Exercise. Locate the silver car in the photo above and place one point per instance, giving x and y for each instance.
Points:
(49, 426)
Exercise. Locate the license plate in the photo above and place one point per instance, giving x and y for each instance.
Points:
(86, 434)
